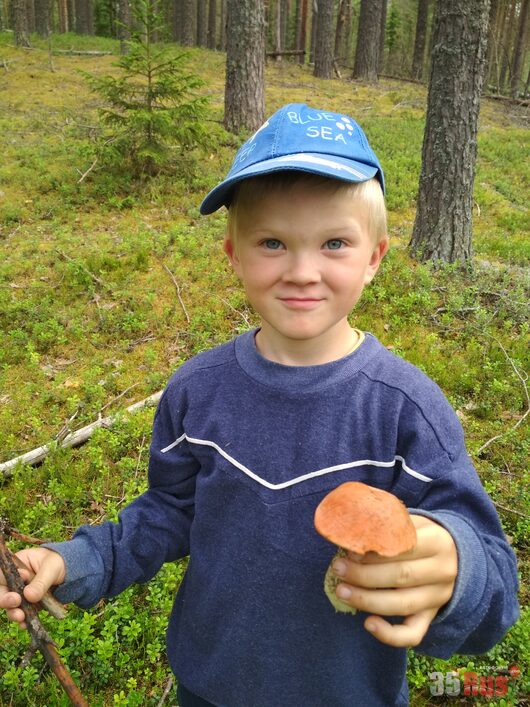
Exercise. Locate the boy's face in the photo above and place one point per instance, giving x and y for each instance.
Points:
(304, 257)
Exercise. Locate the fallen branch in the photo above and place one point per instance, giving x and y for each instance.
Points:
(85, 174)
(177, 287)
(85, 269)
(80, 52)
(287, 52)
(74, 439)
(39, 636)
(510, 510)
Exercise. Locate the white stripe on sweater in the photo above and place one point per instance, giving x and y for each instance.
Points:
(298, 479)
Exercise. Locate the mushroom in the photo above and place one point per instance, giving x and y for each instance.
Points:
(360, 519)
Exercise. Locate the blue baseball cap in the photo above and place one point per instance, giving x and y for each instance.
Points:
(304, 139)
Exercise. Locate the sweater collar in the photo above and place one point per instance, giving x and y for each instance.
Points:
(300, 379)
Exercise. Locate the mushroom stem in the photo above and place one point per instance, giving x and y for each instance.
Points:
(331, 582)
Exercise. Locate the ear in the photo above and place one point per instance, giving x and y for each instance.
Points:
(230, 249)
(378, 254)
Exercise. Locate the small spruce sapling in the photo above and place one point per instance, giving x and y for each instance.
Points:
(153, 108)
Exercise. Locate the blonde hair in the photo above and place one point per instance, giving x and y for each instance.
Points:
(249, 190)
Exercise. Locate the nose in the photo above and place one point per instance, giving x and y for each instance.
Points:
(302, 269)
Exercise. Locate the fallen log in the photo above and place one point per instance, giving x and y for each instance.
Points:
(79, 52)
(74, 439)
(287, 52)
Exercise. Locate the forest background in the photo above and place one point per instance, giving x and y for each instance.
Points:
(109, 282)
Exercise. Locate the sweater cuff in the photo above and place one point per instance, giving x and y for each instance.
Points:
(472, 573)
(84, 572)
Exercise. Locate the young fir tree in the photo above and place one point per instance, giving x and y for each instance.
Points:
(153, 108)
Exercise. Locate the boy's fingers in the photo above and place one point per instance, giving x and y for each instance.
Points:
(9, 600)
(40, 584)
(406, 573)
(395, 602)
(16, 615)
(405, 635)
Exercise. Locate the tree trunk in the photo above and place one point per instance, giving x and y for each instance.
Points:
(324, 40)
(61, 18)
(519, 50)
(340, 28)
(202, 26)
(123, 11)
(278, 30)
(367, 49)
(382, 36)
(69, 14)
(84, 17)
(20, 23)
(506, 43)
(211, 42)
(314, 23)
(30, 10)
(492, 50)
(419, 39)
(176, 24)
(187, 36)
(245, 60)
(284, 23)
(42, 17)
(301, 28)
(222, 37)
(443, 226)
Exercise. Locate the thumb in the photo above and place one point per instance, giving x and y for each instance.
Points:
(47, 576)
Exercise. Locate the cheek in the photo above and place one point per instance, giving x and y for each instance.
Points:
(259, 273)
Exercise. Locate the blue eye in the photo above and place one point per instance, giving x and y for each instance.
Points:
(272, 244)
(334, 244)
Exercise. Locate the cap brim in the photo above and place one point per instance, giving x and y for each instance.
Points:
(333, 167)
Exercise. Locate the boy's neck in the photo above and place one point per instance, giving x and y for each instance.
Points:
(307, 352)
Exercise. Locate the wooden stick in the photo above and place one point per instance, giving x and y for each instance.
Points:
(75, 438)
(38, 633)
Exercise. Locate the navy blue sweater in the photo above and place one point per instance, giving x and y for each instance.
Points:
(243, 450)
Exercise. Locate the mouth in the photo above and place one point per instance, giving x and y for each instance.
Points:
(300, 302)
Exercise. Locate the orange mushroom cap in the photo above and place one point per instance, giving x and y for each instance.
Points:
(364, 519)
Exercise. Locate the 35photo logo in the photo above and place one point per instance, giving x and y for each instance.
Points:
(470, 684)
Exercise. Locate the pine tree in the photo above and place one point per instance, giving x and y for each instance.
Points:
(442, 229)
(245, 65)
(324, 41)
(367, 49)
(153, 107)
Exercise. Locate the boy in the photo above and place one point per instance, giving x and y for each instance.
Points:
(251, 435)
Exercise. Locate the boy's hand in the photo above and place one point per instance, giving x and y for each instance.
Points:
(49, 569)
(415, 584)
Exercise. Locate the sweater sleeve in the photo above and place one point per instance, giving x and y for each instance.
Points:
(484, 602)
(102, 561)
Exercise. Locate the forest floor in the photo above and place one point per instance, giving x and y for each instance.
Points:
(91, 322)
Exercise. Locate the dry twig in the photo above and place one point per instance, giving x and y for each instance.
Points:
(166, 692)
(85, 174)
(177, 287)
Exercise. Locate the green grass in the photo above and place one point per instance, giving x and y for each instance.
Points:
(90, 322)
